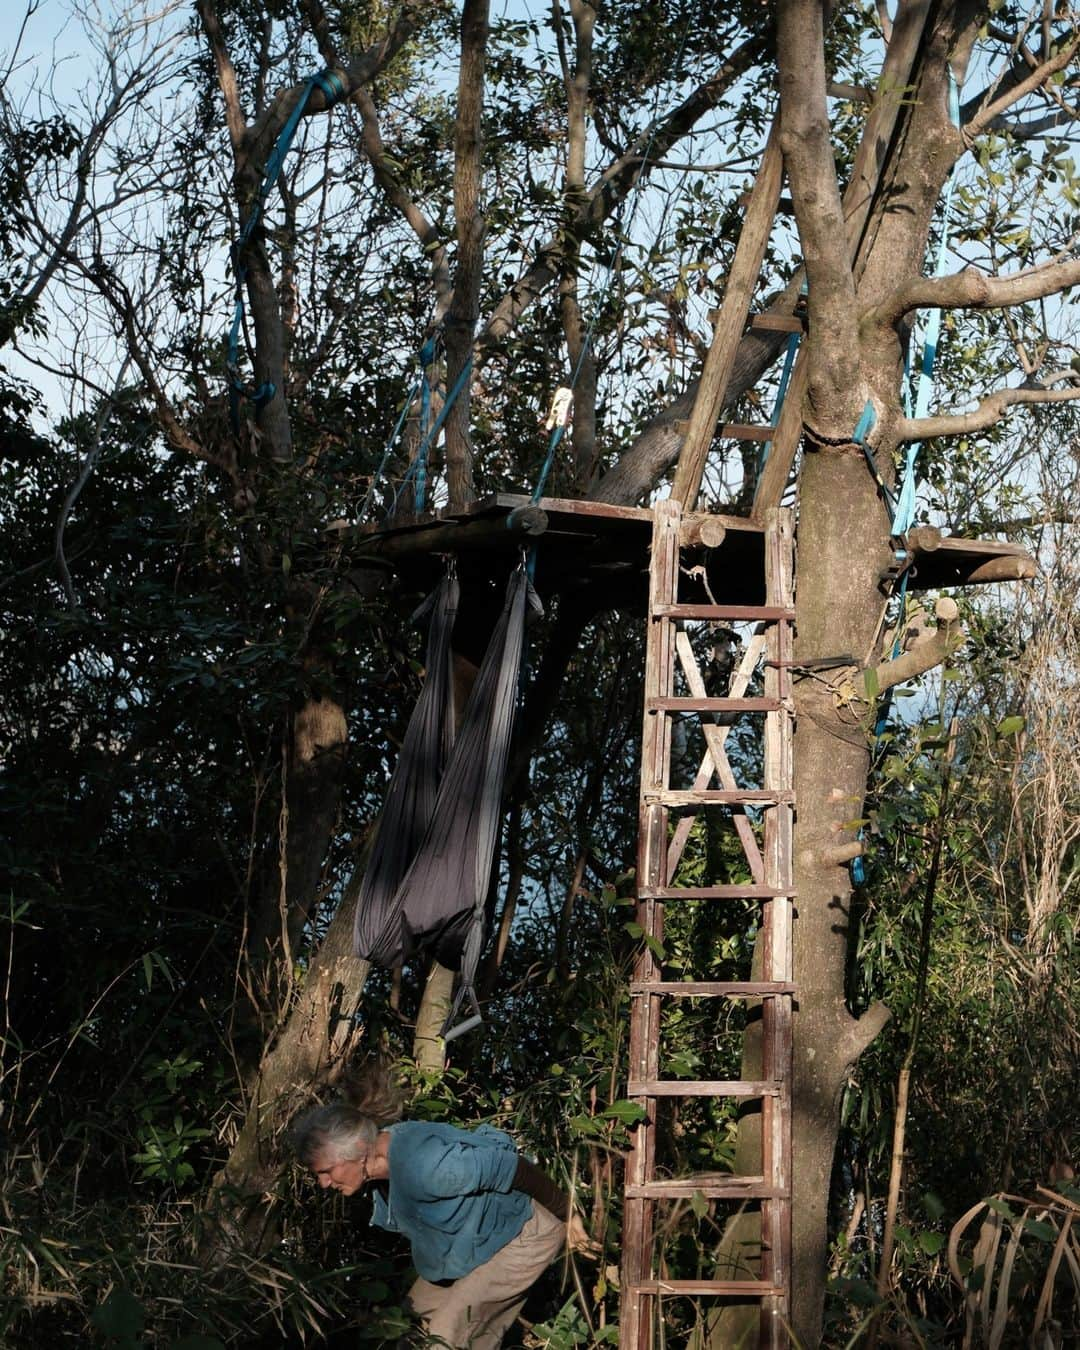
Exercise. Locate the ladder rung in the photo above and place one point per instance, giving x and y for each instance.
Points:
(681, 703)
(712, 1185)
(749, 890)
(732, 1288)
(718, 796)
(750, 613)
(675, 1087)
(745, 431)
(777, 323)
(714, 988)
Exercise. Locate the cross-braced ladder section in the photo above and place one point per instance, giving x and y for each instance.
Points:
(681, 828)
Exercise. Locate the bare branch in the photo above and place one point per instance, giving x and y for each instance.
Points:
(90, 459)
(971, 289)
(1034, 80)
(1019, 523)
(226, 73)
(386, 178)
(612, 187)
(320, 27)
(123, 306)
(989, 412)
(811, 168)
(930, 651)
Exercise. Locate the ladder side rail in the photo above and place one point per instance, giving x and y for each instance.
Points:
(636, 1318)
(776, 1013)
(731, 321)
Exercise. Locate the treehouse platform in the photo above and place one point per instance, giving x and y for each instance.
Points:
(600, 551)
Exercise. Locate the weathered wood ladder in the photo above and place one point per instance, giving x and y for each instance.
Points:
(667, 815)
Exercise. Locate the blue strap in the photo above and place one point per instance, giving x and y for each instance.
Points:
(781, 393)
(333, 88)
(418, 466)
(421, 454)
(557, 433)
(391, 441)
(863, 428)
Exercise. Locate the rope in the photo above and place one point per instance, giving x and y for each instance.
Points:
(427, 360)
(333, 88)
(418, 468)
(387, 449)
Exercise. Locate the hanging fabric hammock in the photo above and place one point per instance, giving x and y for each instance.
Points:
(378, 935)
(427, 883)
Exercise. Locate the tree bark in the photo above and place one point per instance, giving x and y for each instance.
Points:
(464, 308)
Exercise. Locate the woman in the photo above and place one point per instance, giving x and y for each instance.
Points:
(483, 1222)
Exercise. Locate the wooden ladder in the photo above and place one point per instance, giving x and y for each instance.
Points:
(667, 815)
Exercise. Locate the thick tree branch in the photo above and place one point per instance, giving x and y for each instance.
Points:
(386, 178)
(863, 1031)
(612, 186)
(809, 159)
(464, 311)
(971, 289)
(577, 80)
(930, 651)
(989, 412)
(226, 73)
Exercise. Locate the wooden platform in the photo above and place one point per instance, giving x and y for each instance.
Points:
(599, 549)
(582, 546)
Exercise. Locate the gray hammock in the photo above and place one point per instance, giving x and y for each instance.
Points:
(427, 881)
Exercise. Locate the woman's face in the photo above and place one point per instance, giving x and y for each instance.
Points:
(346, 1175)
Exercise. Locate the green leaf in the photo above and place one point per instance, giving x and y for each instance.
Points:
(120, 1319)
(699, 1205)
(870, 684)
(628, 1112)
(931, 1242)
(1009, 726)
(933, 1205)
(655, 946)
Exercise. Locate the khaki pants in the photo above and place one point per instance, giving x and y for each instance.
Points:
(475, 1311)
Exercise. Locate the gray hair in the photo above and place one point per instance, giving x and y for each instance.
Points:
(338, 1129)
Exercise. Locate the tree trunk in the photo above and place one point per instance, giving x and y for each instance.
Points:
(314, 1044)
(465, 306)
(429, 1048)
(842, 546)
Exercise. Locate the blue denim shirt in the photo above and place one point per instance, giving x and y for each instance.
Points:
(450, 1195)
